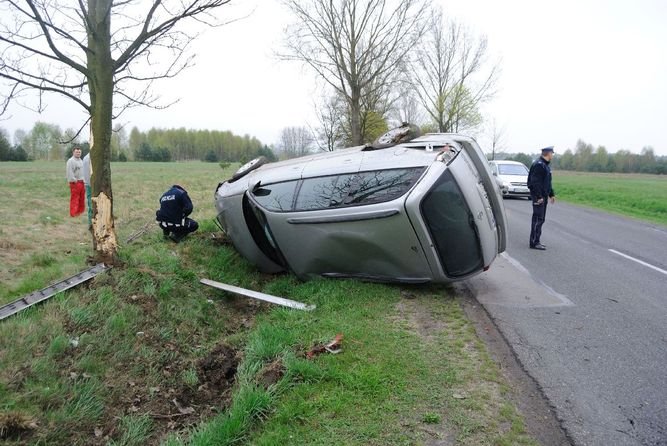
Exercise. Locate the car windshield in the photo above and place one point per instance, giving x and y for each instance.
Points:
(512, 169)
(452, 227)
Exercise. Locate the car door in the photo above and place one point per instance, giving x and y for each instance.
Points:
(351, 225)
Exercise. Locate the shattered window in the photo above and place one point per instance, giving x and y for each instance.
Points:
(323, 192)
(382, 185)
(276, 197)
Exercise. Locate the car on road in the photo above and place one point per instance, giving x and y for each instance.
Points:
(512, 177)
(421, 210)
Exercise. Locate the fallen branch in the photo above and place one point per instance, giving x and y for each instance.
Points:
(139, 233)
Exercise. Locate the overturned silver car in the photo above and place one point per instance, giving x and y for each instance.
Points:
(426, 210)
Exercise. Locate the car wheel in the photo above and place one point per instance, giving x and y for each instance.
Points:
(248, 167)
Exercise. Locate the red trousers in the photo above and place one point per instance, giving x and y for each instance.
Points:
(77, 201)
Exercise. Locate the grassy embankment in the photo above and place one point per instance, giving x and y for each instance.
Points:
(639, 196)
(146, 355)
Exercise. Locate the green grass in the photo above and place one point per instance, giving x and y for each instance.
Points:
(639, 196)
(103, 363)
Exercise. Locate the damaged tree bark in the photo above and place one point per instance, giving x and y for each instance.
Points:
(100, 87)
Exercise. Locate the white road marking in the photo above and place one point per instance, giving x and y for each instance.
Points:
(641, 262)
(516, 264)
(661, 231)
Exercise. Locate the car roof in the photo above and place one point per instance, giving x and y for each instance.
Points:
(419, 152)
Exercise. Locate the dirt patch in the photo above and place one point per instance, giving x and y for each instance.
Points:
(8, 244)
(271, 374)
(14, 426)
(420, 318)
(218, 369)
(176, 408)
(148, 304)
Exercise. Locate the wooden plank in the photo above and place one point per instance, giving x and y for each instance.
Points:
(257, 295)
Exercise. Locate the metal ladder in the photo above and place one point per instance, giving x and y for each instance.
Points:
(51, 290)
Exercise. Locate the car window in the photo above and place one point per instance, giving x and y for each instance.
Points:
(513, 169)
(277, 196)
(323, 192)
(452, 227)
(382, 185)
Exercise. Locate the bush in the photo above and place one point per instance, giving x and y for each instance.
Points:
(211, 157)
(147, 153)
(225, 165)
(15, 154)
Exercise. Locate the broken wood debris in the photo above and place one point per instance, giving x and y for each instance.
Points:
(335, 346)
(257, 295)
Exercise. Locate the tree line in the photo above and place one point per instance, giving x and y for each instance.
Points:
(186, 144)
(587, 158)
(47, 141)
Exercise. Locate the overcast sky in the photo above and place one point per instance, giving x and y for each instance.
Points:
(594, 69)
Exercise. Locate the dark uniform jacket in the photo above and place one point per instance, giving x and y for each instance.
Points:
(175, 205)
(539, 180)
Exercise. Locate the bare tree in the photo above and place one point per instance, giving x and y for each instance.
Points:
(70, 48)
(451, 77)
(329, 132)
(295, 141)
(497, 133)
(118, 143)
(355, 46)
(406, 107)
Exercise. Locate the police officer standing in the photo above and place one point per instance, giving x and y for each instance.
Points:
(539, 183)
(175, 207)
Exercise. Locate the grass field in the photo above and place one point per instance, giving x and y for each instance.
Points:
(639, 196)
(145, 355)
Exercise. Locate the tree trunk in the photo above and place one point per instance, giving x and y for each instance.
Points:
(101, 85)
(355, 118)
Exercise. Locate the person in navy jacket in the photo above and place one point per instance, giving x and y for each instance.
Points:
(175, 207)
(539, 183)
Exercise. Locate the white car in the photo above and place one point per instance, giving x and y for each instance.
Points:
(512, 178)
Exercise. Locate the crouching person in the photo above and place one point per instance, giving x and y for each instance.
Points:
(175, 207)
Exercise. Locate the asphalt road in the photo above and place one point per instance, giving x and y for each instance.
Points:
(588, 319)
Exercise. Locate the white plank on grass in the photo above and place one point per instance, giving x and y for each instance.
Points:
(257, 295)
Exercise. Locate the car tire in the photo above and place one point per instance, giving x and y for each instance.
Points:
(248, 167)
